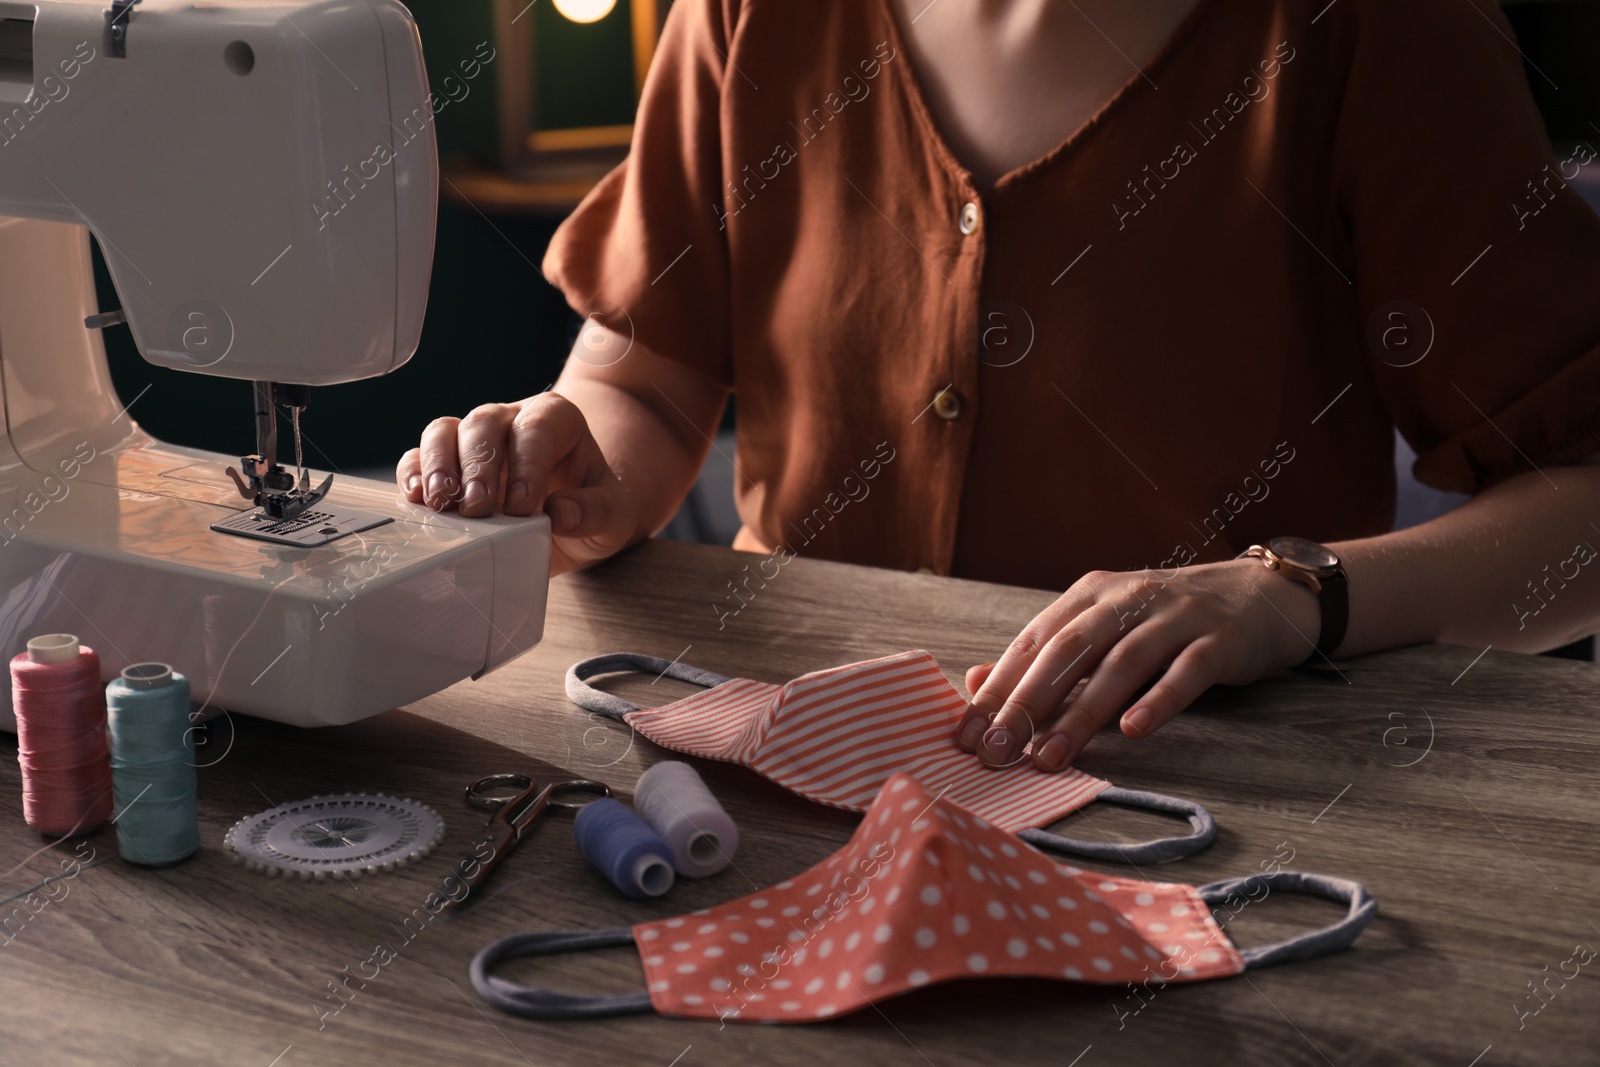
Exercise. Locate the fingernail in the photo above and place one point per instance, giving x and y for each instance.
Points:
(412, 483)
(1139, 719)
(999, 746)
(516, 494)
(438, 486)
(477, 493)
(566, 515)
(971, 733)
(1053, 756)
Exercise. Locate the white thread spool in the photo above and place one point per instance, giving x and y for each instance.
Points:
(673, 799)
(53, 648)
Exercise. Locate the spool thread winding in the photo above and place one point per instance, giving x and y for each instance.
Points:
(152, 765)
(621, 846)
(61, 739)
(673, 799)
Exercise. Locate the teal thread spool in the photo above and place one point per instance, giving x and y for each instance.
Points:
(152, 765)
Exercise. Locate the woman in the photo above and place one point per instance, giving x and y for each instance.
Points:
(1019, 290)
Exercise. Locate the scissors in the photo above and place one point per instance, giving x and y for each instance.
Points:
(512, 815)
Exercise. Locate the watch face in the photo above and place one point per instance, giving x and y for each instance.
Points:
(1304, 553)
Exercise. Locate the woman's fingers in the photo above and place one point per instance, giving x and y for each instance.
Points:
(976, 676)
(441, 468)
(555, 466)
(535, 447)
(481, 447)
(1123, 670)
(591, 523)
(1037, 697)
(408, 475)
(1196, 669)
(546, 433)
(1004, 676)
(969, 731)
(1113, 634)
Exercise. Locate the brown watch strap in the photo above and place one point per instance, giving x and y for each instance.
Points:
(1334, 602)
(1332, 592)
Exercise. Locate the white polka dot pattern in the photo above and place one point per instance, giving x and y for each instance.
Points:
(932, 922)
(836, 736)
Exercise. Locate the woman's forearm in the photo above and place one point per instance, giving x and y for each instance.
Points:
(1515, 567)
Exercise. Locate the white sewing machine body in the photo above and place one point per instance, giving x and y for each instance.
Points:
(262, 178)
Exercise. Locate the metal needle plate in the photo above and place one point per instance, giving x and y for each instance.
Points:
(310, 529)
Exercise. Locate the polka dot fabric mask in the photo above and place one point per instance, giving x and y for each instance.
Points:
(835, 736)
(925, 891)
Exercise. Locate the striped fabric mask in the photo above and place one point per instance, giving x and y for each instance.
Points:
(835, 736)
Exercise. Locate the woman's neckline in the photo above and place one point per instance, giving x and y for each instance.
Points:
(1139, 82)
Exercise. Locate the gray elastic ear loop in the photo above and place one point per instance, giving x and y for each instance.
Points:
(614, 707)
(1341, 935)
(534, 1003)
(1160, 850)
(546, 1004)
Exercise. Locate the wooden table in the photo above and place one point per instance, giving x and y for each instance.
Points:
(1459, 788)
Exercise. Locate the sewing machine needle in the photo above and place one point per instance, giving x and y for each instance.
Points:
(299, 458)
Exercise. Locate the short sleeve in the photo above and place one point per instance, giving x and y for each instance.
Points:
(1468, 245)
(645, 250)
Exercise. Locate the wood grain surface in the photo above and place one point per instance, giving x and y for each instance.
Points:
(1459, 789)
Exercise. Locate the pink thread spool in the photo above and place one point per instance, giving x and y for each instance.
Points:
(61, 736)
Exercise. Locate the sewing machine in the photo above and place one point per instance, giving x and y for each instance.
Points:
(261, 176)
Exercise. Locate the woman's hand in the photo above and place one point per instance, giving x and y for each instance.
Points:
(542, 452)
(1230, 623)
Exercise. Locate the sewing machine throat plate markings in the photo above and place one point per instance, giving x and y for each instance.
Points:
(309, 529)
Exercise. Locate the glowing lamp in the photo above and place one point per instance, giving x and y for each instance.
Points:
(585, 10)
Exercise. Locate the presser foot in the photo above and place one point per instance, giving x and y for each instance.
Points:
(287, 514)
(273, 489)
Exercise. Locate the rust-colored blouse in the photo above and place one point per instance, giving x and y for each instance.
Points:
(1191, 326)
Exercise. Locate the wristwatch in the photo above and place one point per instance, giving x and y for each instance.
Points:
(1318, 568)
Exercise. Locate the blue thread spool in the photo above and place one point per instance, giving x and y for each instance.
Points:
(621, 846)
(152, 765)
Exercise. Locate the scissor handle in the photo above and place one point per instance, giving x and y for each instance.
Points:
(577, 785)
(475, 792)
(525, 784)
(512, 815)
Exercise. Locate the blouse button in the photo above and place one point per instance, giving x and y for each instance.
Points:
(969, 218)
(947, 405)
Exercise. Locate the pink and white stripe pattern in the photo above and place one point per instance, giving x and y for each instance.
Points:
(836, 736)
